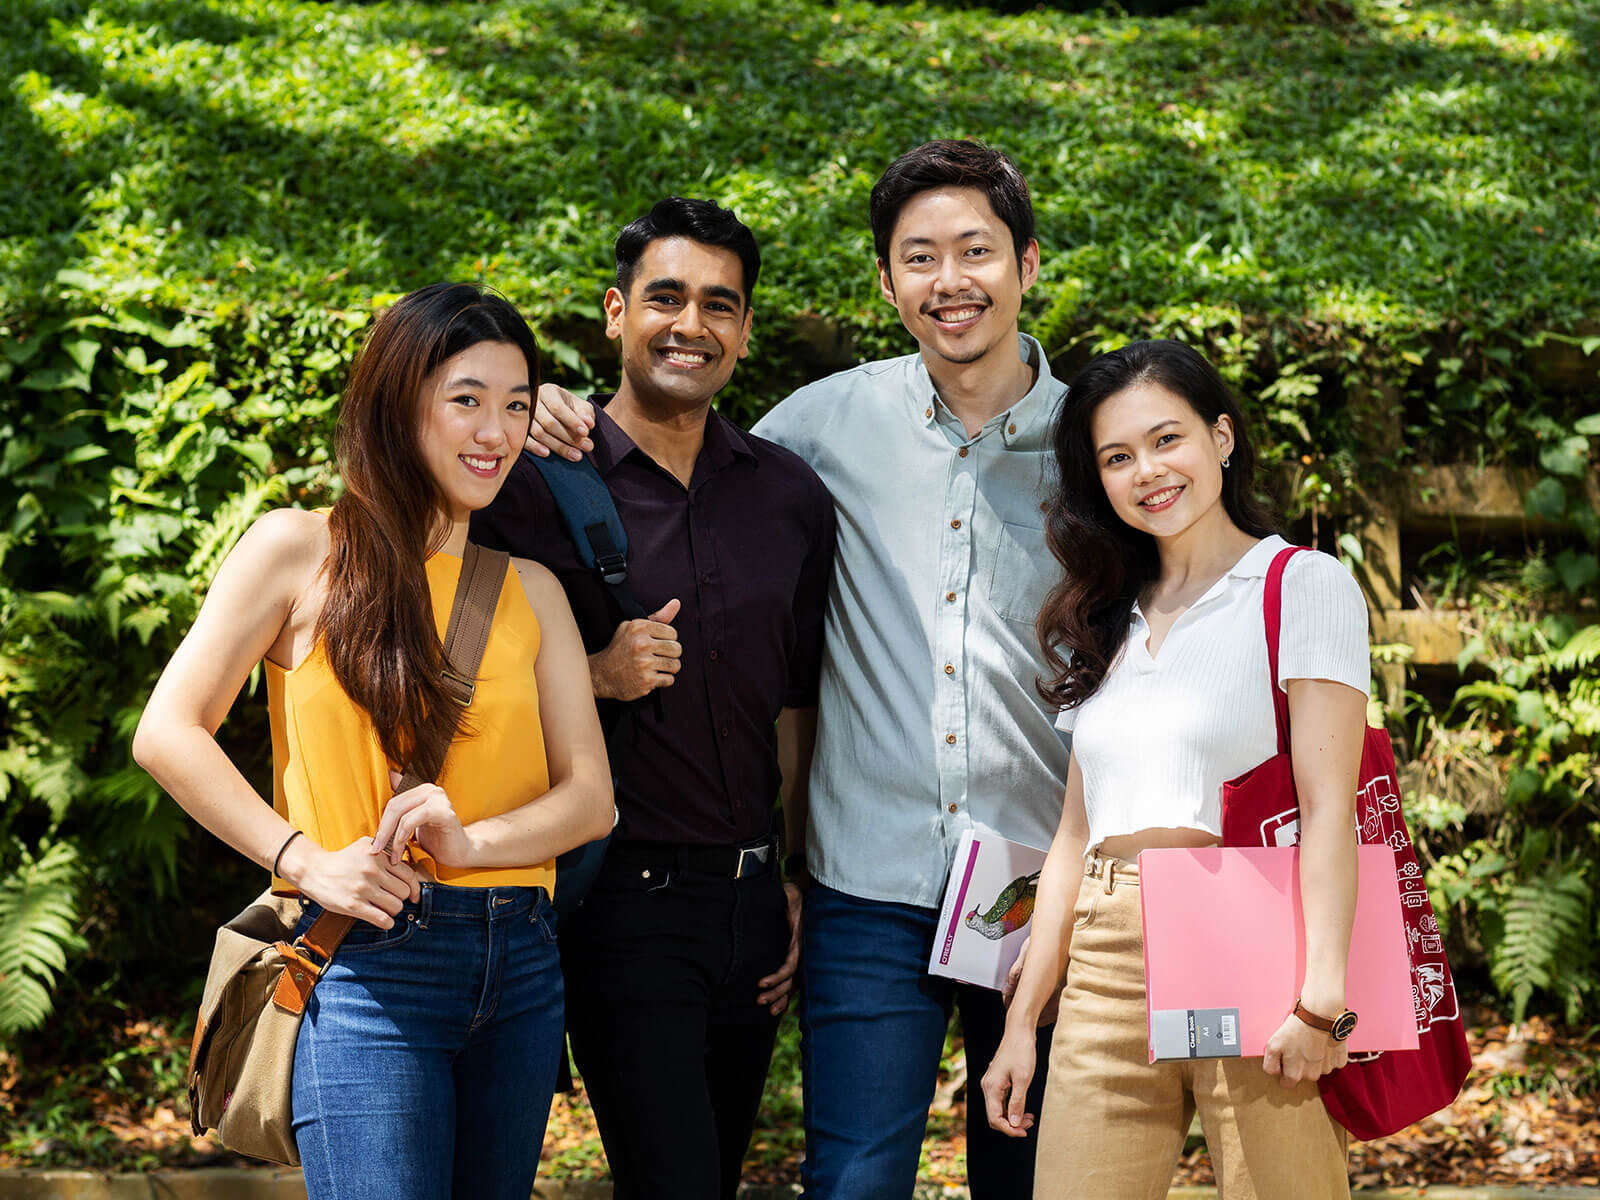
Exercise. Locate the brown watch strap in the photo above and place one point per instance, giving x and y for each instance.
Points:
(1312, 1019)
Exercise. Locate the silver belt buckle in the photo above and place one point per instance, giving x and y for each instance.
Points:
(759, 853)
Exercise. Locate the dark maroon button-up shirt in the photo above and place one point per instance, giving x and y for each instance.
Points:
(748, 550)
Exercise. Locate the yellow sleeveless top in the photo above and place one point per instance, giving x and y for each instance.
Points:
(330, 778)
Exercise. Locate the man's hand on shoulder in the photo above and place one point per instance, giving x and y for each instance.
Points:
(561, 423)
(643, 655)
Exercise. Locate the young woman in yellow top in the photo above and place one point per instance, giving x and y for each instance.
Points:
(428, 1052)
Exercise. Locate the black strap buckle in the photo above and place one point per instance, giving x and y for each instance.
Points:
(613, 569)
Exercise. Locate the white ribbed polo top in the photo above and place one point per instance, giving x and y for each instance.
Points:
(1163, 733)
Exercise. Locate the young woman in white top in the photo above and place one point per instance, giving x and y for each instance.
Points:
(1156, 635)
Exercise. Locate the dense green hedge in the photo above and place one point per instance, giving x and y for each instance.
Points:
(1389, 206)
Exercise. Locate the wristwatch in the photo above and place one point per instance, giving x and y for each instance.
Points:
(1339, 1027)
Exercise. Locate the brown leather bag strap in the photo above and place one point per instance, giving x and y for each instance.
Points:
(326, 932)
(466, 637)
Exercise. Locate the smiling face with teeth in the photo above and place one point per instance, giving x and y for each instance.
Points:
(475, 411)
(1160, 462)
(683, 327)
(954, 277)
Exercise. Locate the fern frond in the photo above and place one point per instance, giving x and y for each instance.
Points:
(1583, 705)
(52, 774)
(142, 830)
(1547, 943)
(1581, 651)
(38, 926)
(232, 517)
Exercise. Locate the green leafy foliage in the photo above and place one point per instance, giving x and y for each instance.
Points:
(1373, 216)
(127, 487)
(38, 908)
(1546, 942)
(1509, 795)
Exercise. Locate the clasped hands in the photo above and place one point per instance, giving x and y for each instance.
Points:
(370, 878)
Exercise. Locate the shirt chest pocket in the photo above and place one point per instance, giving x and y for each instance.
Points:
(1021, 573)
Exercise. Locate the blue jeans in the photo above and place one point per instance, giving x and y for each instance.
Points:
(427, 1056)
(872, 1029)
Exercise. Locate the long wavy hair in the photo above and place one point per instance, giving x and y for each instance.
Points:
(377, 625)
(1106, 562)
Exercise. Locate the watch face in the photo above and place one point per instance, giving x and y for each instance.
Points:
(1344, 1025)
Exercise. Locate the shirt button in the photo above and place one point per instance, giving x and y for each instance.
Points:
(724, 731)
(1011, 428)
(950, 597)
(705, 579)
(952, 808)
(956, 524)
(713, 656)
(951, 738)
(1044, 506)
(645, 874)
(949, 670)
(928, 413)
(962, 452)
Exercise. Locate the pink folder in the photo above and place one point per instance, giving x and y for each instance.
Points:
(1223, 932)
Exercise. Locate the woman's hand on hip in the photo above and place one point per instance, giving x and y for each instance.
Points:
(354, 881)
(1005, 1085)
(1297, 1052)
(424, 814)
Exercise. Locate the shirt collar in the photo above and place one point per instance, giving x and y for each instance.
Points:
(1018, 422)
(1252, 564)
(724, 441)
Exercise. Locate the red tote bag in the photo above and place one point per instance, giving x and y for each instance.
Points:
(1377, 1094)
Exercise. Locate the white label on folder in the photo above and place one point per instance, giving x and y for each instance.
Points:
(1194, 1033)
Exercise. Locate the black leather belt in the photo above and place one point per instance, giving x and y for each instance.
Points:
(728, 862)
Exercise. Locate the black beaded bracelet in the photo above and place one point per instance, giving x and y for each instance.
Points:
(276, 861)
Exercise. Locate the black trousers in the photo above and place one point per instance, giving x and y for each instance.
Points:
(661, 972)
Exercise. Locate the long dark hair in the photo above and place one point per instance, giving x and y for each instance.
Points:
(377, 625)
(1106, 562)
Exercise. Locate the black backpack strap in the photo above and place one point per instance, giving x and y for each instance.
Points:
(590, 515)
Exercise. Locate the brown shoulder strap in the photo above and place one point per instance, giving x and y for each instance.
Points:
(483, 574)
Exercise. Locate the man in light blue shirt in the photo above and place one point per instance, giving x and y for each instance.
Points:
(930, 724)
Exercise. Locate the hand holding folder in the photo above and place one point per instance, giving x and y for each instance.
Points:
(1225, 951)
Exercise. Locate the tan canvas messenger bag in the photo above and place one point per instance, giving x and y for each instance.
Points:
(241, 1065)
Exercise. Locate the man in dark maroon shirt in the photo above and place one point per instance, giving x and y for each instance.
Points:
(682, 958)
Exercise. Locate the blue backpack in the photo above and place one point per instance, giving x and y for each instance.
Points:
(590, 515)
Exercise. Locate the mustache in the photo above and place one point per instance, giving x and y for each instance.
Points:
(974, 297)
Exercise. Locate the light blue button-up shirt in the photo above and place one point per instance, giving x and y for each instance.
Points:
(929, 721)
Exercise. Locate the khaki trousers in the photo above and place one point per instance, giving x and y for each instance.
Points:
(1113, 1123)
